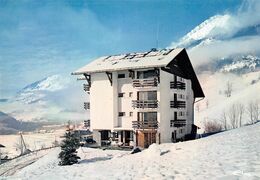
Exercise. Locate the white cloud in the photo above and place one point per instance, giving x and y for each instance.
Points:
(225, 48)
(218, 35)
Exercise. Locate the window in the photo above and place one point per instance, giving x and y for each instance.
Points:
(130, 94)
(130, 113)
(171, 123)
(181, 96)
(121, 76)
(120, 114)
(180, 131)
(146, 74)
(181, 113)
(147, 116)
(121, 94)
(147, 95)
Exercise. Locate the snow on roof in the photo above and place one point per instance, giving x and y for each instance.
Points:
(153, 58)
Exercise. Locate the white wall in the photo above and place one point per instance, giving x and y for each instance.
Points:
(167, 113)
(105, 104)
(101, 102)
(125, 103)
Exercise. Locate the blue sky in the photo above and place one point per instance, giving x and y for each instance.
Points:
(42, 38)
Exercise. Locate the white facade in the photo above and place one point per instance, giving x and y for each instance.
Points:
(140, 106)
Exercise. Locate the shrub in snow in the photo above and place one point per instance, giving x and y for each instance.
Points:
(68, 154)
(211, 126)
(136, 150)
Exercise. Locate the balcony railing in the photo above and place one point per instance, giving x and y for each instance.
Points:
(145, 124)
(86, 87)
(87, 123)
(86, 105)
(151, 82)
(145, 104)
(178, 104)
(177, 85)
(179, 122)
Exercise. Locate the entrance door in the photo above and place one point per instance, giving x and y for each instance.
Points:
(149, 138)
(174, 136)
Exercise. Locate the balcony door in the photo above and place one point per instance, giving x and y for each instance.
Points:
(146, 74)
(147, 116)
(146, 95)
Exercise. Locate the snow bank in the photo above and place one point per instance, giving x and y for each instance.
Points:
(233, 154)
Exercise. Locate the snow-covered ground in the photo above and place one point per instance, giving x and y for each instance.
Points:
(33, 141)
(214, 85)
(233, 154)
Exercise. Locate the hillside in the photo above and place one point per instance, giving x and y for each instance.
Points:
(233, 154)
(54, 99)
(9, 125)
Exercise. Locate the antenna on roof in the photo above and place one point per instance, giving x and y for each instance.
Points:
(157, 35)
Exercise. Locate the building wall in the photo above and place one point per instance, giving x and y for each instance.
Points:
(102, 103)
(167, 113)
(125, 102)
(105, 104)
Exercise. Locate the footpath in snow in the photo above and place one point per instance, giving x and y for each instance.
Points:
(233, 154)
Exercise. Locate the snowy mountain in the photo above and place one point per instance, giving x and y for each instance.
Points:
(225, 49)
(55, 98)
(237, 64)
(37, 91)
(9, 125)
(244, 64)
(209, 29)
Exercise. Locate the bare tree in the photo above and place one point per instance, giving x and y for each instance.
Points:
(229, 89)
(240, 110)
(256, 111)
(250, 112)
(253, 111)
(212, 126)
(232, 114)
(224, 120)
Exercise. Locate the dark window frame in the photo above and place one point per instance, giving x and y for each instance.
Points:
(121, 95)
(121, 114)
(121, 76)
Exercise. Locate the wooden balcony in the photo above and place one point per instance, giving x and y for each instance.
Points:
(87, 123)
(177, 85)
(179, 122)
(86, 87)
(145, 124)
(141, 83)
(145, 104)
(86, 105)
(178, 104)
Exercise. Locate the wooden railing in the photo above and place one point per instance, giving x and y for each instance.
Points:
(145, 124)
(86, 87)
(179, 122)
(145, 104)
(177, 85)
(178, 104)
(151, 82)
(87, 123)
(86, 105)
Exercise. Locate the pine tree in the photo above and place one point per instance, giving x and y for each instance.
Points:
(68, 154)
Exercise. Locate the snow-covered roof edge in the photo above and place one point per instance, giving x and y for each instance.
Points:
(103, 64)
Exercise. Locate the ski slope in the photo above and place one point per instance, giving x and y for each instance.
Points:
(233, 154)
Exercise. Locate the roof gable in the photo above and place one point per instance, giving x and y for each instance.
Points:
(130, 61)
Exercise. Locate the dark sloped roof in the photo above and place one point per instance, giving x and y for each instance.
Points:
(181, 66)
